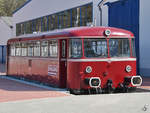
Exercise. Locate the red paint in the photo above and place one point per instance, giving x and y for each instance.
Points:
(71, 74)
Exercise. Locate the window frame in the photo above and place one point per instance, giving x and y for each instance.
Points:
(70, 49)
(57, 48)
(129, 43)
(107, 53)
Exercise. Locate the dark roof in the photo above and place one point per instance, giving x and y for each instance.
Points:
(22, 6)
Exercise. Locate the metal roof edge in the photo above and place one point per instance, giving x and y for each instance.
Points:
(22, 6)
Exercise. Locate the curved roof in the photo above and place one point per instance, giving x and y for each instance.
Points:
(78, 32)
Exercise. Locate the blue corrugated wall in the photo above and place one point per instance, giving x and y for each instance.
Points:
(125, 14)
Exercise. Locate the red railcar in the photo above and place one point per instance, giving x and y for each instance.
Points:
(80, 59)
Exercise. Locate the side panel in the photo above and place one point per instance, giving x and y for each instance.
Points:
(44, 70)
(125, 14)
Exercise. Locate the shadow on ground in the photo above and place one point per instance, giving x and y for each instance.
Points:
(12, 85)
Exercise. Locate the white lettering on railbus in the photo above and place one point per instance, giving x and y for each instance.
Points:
(52, 70)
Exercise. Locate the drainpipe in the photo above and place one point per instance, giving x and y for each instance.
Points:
(100, 10)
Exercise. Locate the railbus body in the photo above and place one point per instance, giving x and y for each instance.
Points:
(81, 59)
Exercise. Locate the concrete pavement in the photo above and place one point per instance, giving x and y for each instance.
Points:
(106, 103)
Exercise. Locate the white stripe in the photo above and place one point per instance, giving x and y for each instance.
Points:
(102, 60)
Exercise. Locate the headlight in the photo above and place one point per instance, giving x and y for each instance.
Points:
(128, 68)
(95, 82)
(88, 69)
(136, 80)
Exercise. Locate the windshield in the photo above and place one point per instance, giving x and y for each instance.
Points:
(119, 47)
(95, 48)
(75, 48)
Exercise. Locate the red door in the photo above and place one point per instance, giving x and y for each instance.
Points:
(63, 63)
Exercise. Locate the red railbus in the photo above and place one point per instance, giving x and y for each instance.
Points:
(81, 59)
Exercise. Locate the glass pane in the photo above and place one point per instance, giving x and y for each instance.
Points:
(53, 48)
(27, 27)
(119, 48)
(38, 24)
(24, 49)
(30, 28)
(89, 14)
(44, 48)
(61, 21)
(56, 22)
(75, 48)
(22, 28)
(34, 25)
(12, 48)
(18, 49)
(18, 29)
(75, 17)
(83, 16)
(37, 48)
(133, 47)
(52, 22)
(95, 48)
(49, 23)
(30, 49)
(63, 48)
(67, 19)
(44, 23)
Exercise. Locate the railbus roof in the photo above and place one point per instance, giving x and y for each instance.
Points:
(76, 32)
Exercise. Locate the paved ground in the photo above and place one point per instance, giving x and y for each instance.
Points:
(18, 97)
(14, 91)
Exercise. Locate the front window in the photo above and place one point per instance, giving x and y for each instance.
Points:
(119, 47)
(75, 48)
(95, 48)
(133, 47)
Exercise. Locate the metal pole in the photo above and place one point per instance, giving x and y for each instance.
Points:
(100, 10)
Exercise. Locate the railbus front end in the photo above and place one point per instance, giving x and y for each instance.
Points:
(102, 65)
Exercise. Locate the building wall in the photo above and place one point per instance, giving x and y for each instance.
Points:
(144, 37)
(37, 8)
(5, 34)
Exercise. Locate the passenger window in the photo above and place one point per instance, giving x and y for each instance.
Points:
(18, 49)
(30, 49)
(44, 48)
(37, 48)
(53, 48)
(12, 50)
(24, 49)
